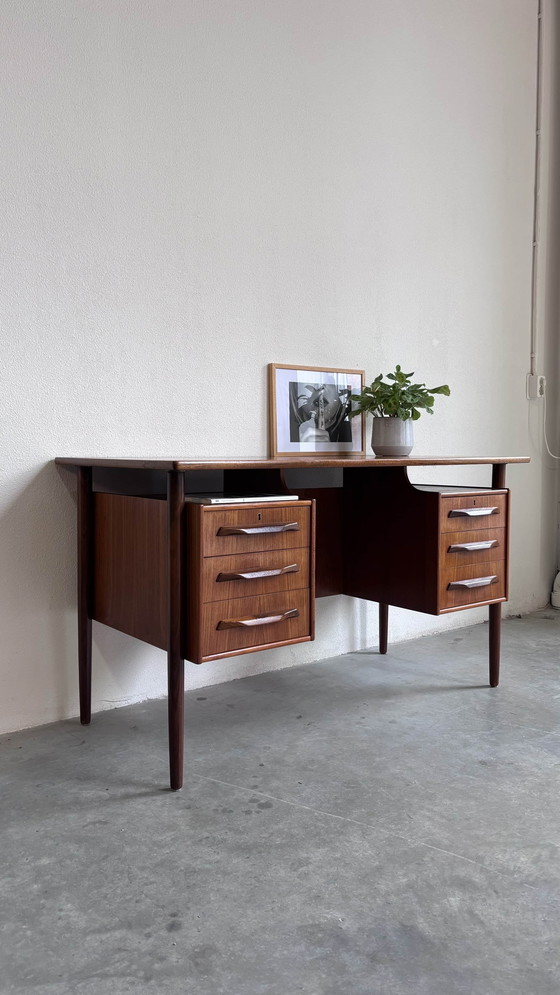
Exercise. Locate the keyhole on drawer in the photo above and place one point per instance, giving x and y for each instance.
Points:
(259, 516)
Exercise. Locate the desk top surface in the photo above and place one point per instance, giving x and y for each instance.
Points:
(295, 462)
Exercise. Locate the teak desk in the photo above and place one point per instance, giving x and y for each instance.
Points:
(206, 582)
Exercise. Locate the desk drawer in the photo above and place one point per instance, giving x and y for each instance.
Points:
(472, 584)
(476, 546)
(255, 528)
(247, 624)
(248, 574)
(464, 512)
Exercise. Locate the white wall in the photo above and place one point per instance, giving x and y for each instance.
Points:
(193, 189)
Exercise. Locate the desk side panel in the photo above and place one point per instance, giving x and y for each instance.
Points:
(390, 534)
(130, 564)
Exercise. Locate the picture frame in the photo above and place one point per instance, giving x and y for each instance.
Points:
(308, 411)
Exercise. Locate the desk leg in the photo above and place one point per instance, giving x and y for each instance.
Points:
(175, 663)
(495, 611)
(495, 627)
(383, 627)
(85, 568)
(498, 476)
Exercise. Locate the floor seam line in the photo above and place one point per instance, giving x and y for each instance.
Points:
(367, 825)
(470, 860)
(307, 808)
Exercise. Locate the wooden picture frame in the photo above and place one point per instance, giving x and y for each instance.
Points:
(308, 411)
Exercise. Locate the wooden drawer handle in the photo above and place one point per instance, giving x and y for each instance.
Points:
(470, 547)
(475, 582)
(472, 512)
(292, 568)
(249, 620)
(251, 530)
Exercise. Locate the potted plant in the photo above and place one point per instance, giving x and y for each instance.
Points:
(395, 406)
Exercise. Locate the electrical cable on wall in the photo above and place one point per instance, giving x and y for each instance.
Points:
(544, 429)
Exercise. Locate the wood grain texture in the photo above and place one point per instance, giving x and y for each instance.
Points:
(295, 515)
(287, 462)
(455, 598)
(449, 556)
(473, 502)
(216, 641)
(215, 567)
(130, 588)
(485, 563)
(239, 598)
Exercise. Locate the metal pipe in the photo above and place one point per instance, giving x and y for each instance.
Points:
(536, 201)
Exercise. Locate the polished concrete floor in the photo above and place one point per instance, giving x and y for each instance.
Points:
(361, 826)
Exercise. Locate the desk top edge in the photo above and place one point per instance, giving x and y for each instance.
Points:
(298, 462)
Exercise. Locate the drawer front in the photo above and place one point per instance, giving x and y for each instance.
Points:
(477, 546)
(247, 574)
(473, 584)
(255, 528)
(229, 627)
(462, 513)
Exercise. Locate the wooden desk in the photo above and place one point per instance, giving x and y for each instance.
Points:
(154, 565)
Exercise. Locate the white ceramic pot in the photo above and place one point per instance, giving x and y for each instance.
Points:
(392, 436)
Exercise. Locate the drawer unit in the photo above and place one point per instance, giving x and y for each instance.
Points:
(421, 539)
(463, 512)
(473, 549)
(250, 577)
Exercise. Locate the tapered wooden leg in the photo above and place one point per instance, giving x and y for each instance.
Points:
(85, 570)
(495, 611)
(175, 662)
(495, 627)
(383, 627)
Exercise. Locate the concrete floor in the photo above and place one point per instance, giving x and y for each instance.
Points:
(361, 826)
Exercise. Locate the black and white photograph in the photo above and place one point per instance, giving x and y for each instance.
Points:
(309, 411)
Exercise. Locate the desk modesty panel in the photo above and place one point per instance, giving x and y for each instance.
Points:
(207, 581)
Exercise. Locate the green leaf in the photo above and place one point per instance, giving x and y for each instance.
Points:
(396, 396)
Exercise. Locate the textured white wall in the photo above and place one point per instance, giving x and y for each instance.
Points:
(192, 189)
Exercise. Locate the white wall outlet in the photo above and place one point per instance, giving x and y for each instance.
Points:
(536, 386)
